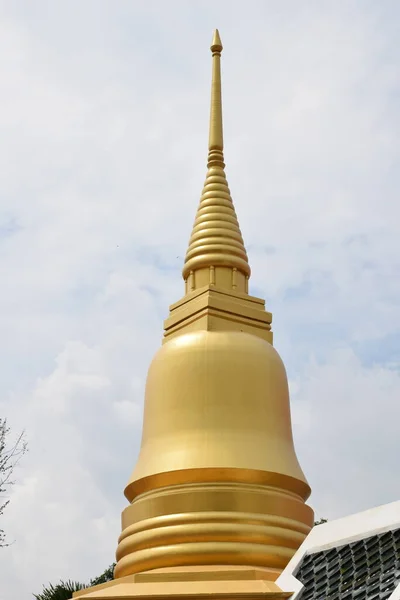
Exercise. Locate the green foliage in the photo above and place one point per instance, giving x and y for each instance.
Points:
(9, 457)
(108, 575)
(65, 589)
(62, 591)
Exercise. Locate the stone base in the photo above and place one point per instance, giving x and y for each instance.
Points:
(190, 583)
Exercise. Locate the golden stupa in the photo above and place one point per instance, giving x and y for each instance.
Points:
(217, 497)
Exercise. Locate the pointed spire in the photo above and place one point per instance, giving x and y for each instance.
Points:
(216, 139)
(216, 240)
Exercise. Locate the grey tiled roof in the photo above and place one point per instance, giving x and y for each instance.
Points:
(368, 569)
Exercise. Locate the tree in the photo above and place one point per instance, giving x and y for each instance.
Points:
(9, 457)
(320, 522)
(62, 591)
(108, 575)
(65, 589)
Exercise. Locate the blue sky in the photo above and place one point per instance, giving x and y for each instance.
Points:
(103, 123)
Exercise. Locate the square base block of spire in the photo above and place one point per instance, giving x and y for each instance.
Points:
(213, 309)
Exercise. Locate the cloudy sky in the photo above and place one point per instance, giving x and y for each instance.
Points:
(103, 138)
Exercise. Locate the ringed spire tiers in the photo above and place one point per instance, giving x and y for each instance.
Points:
(216, 243)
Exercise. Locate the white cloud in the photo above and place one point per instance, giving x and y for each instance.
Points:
(103, 123)
(344, 421)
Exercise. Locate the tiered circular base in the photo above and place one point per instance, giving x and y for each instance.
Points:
(212, 524)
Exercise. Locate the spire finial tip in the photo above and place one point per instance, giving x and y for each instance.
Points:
(216, 45)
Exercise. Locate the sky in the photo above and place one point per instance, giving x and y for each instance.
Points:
(104, 111)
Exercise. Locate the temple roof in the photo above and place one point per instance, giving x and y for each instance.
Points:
(357, 557)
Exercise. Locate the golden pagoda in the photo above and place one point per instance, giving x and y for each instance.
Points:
(217, 497)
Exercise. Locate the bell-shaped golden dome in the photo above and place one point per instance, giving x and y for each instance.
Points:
(216, 400)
